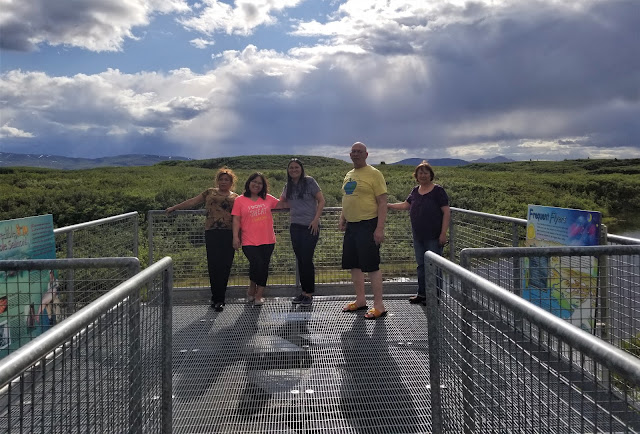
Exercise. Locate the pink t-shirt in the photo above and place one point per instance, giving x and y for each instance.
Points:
(256, 220)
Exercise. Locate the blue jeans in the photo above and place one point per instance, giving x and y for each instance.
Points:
(304, 246)
(420, 247)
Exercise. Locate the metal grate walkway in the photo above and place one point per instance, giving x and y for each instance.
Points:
(285, 369)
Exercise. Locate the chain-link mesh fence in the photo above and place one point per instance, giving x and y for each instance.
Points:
(471, 229)
(38, 299)
(500, 364)
(181, 235)
(104, 368)
(115, 236)
(597, 292)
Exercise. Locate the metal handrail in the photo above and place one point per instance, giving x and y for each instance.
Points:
(523, 222)
(15, 363)
(619, 239)
(608, 355)
(85, 225)
(520, 252)
(501, 218)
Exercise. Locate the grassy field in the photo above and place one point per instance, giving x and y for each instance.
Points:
(609, 186)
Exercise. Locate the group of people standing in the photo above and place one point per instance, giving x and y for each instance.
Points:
(245, 221)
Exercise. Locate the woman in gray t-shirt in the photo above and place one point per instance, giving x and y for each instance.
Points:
(302, 195)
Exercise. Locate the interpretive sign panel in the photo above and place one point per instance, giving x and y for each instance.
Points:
(564, 286)
(27, 298)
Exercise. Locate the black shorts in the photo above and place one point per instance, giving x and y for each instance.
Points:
(359, 249)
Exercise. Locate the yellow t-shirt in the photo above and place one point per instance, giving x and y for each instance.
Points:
(359, 190)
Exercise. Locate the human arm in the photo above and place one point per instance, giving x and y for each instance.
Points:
(189, 203)
(378, 234)
(315, 223)
(342, 222)
(403, 206)
(283, 203)
(237, 243)
(283, 198)
(446, 219)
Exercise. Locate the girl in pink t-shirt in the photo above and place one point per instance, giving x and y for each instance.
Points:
(253, 231)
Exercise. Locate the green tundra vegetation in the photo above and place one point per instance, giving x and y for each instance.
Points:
(609, 186)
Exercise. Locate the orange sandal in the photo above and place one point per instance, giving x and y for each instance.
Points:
(374, 313)
(353, 307)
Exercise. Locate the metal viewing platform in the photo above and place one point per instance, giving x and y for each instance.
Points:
(142, 351)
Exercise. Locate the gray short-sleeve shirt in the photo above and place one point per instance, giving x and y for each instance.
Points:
(303, 210)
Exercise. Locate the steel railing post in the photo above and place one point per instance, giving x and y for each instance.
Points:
(433, 336)
(466, 329)
(70, 289)
(167, 339)
(150, 235)
(135, 236)
(135, 368)
(452, 238)
(601, 318)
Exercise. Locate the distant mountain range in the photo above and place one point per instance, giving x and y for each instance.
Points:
(68, 163)
(8, 159)
(452, 161)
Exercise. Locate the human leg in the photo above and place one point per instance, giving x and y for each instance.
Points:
(357, 277)
(220, 255)
(435, 247)
(251, 252)
(304, 245)
(369, 254)
(350, 261)
(376, 286)
(419, 249)
(210, 243)
(263, 258)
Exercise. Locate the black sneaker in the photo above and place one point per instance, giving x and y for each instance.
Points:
(298, 299)
(418, 299)
(218, 307)
(306, 301)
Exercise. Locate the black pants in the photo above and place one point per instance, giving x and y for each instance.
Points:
(219, 243)
(304, 246)
(259, 258)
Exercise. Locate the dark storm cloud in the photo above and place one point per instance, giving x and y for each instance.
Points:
(15, 36)
(557, 60)
(576, 64)
(95, 25)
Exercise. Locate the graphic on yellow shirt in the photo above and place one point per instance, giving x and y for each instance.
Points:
(350, 186)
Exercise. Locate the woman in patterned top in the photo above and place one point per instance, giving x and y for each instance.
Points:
(218, 233)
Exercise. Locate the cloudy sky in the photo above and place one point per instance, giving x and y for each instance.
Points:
(541, 79)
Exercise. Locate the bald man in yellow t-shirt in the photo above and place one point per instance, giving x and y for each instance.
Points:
(364, 212)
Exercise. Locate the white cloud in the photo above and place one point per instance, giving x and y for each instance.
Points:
(7, 131)
(242, 18)
(201, 43)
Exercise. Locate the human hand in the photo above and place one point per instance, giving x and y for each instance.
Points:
(314, 227)
(342, 225)
(443, 239)
(237, 243)
(378, 235)
(169, 210)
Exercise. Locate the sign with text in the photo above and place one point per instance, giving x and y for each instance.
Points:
(564, 286)
(26, 297)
